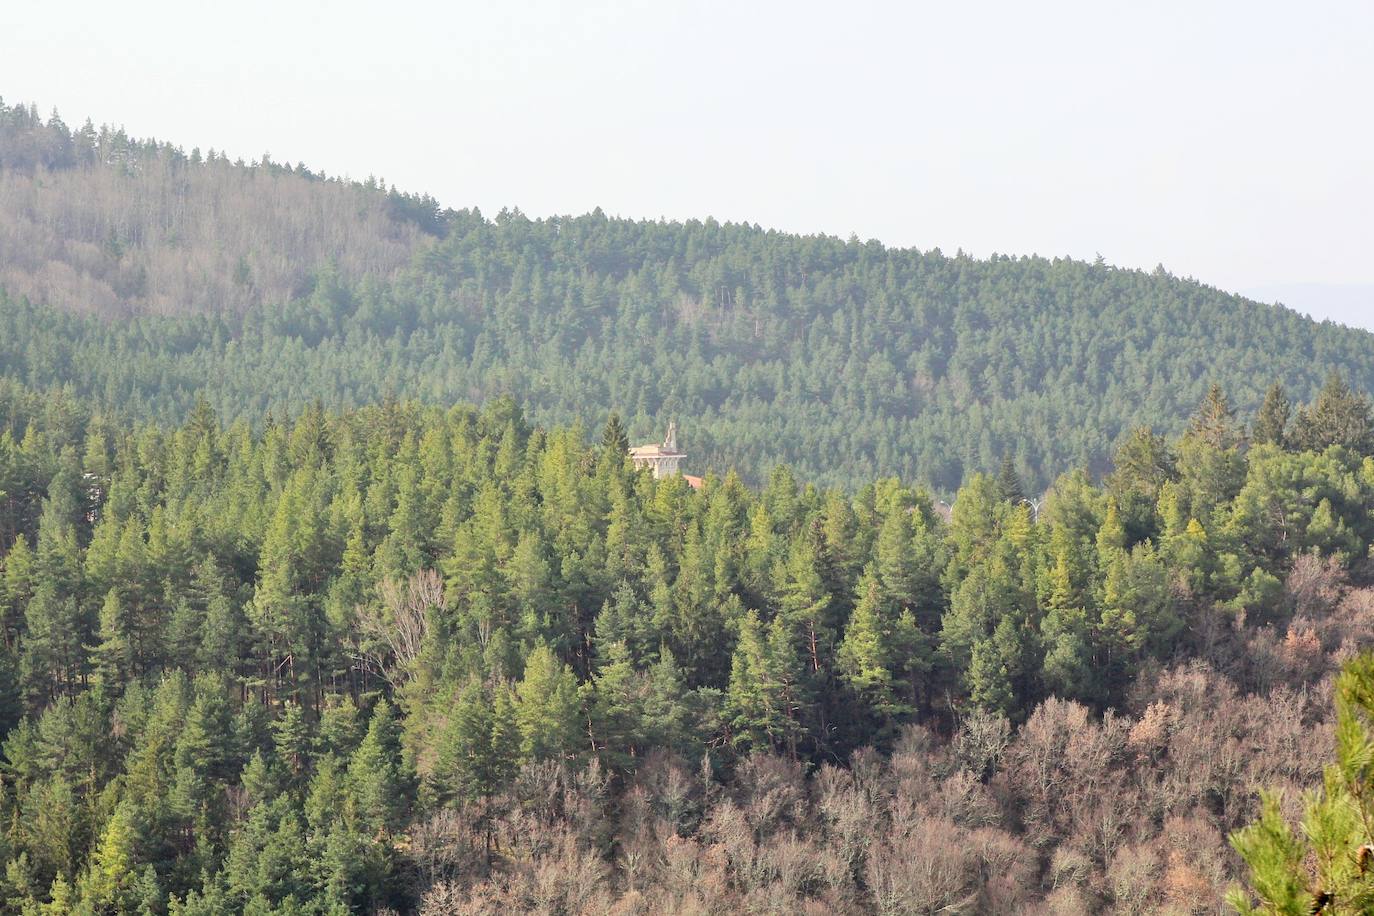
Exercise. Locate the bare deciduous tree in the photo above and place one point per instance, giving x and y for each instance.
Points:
(391, 634)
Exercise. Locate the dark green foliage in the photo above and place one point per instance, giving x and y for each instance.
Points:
(846, 359)
(264, 650)
(1339, 416)
(1214, 422)
(1271, 423)
(234, 678)
(1008, 482)
(614, 439)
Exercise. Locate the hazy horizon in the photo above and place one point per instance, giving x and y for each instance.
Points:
(1216, 142)
(1348, 304)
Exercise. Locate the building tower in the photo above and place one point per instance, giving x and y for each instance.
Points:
(662, 458)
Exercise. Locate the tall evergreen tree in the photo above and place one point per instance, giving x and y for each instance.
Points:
(548, 711)
(615, 443)
(1214, 422)
(1271, 423)
(1339, 416)
(378, 779)
(1009, 482)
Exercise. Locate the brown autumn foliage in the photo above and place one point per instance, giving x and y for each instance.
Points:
(1074, 812)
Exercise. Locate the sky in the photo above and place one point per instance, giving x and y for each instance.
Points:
(1229, 141)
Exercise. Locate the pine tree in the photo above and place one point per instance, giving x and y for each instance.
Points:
(114, 656)
(615, 444)
(999, 672)
(668, 709)
(1009, 482)
(61, 897)
(203, 756)
(1066, 670)
(1141, 467)
(1111, 537)
(1138, 613)
(1271, 423)
(1211, 465)
(805, 605)
(1214, 422)
(618, 694)
(18, 587)
(529, 580)
(378, 779)
(340, 728)
(1339, 416)
(109, 884)
(861, 655)
(993, 669)
(478, 749)
(624, 621)
(1325, 867)
(54, 658)
(756, 702)
(293, 738)
(221, 636)
(548, 712)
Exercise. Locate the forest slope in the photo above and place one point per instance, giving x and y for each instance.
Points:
(264, 287)
(445, 662)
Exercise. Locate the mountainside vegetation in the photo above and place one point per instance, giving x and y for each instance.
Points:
(321, 593)
(140, 278)
(449, 661)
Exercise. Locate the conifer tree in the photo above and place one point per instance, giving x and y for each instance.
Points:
(54, 659)
(805, 605)
(479, 748)
(668, 719)
(1111, 537)
(1339, 416)
(1067, 670)
(756, 703)
(1141, 467)
(548, 711)
(378, 781)
(113, 656)
(623, 620)
(109, 884)
(18, 587)
(1138, 613)
(293, 739)
(1325, 867)
(1009, 482)
(1271, 423)
(618, 694)
(1214, 422)
(995, 668)
(883, 653)
(615, 444)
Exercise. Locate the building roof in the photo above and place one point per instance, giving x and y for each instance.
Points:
(655, 451)
(665, 449)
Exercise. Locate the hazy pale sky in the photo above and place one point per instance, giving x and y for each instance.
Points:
(1230, 141)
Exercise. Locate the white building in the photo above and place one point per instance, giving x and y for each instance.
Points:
(662, 459)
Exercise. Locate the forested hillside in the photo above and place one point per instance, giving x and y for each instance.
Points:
(448, 661)
(101, 223)
(142, 277)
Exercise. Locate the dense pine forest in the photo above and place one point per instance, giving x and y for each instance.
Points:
(445, 660)
(141, 278)
(326, 585)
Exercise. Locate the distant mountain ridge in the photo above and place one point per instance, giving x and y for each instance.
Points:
(263, 287)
